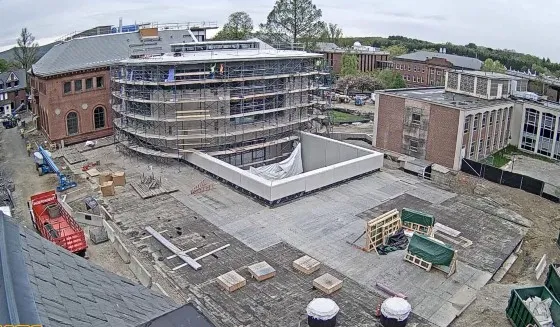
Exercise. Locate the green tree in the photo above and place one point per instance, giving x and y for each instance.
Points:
(349, 65)
(390, 79)
(396, 50)
(331, 33)
(297, 19)
(26, 51)
(494, 66)
(238, 27)
(4, 65)
(361, 82)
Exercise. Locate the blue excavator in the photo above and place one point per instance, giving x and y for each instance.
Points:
(45, 165)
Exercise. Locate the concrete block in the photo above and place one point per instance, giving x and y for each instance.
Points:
(121, 249)
(306, 265)
(231, 281)
(110, 230)
(98, 235)
(262, 271)
(140, 272)
(327, 283)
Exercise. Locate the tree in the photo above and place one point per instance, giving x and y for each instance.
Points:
(361, 82)
(349, 64)
(396, 50)
(390, 79)
(298, 19)
(26, 51)
(331, 33)
(4, 65)
(494, 66)
(238, 27)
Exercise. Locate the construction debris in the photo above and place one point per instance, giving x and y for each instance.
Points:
(188, 260)
(540, 309)
(390, 291)
(395, 242)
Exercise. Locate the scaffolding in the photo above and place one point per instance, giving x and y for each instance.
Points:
(234, 105)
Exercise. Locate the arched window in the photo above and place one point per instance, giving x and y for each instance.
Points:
(72, 123)
(99, 117)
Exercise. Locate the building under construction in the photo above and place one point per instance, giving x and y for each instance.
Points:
(240, 101)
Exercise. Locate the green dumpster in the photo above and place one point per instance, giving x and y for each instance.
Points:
(517, 311)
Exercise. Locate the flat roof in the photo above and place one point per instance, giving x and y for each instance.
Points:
(438, 95)
(490, 75)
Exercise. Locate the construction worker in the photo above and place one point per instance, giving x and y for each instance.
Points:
(22, 132)
(28, 146)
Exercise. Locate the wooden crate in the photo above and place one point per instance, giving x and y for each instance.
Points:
(306, 265)
(418, 261)
(231, 281)
(418, 228)
(261, 271)
(118, 178)
(327, 283)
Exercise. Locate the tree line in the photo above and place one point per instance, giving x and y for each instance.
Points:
(25, 53)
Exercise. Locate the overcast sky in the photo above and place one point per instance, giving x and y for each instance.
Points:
(526, 26)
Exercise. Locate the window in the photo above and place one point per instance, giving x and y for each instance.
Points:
(16, 83)
(423, 69)
(9, 84)
(491, 118)
(413, 145)
(439, 72)
(413, 78)
(99, 81)
(408, 67)
(422, 80)
(471, 152)
(89, 83)
(67, 87)
(467, 126)
(484, 119)
(416, 119)
(72, 123)
(488, 143)
(415, 69)
(78, 85)
(480, 146)
(1, 86)
(475, 127)
(99, 117)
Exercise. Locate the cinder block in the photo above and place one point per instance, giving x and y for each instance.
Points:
(306, 265)
(231, 281)
(327, 283)
(262, 271)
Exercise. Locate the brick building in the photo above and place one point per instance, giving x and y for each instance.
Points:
(12, 92)
(471, 117)
(70, 83)
(369, 58)
(424, 68)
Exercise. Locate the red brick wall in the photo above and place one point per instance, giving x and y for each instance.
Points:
(75, 101)
(390, 120)
(442, 135)
(366, 62)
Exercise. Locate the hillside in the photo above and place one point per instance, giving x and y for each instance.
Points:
(9, 54)
(510, 58)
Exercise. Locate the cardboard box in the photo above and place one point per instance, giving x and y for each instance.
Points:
(118, 178)
(105, 177)
(107, 188)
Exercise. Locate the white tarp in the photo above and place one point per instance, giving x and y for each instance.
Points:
(288, 167)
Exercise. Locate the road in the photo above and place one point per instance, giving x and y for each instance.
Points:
(22, 168)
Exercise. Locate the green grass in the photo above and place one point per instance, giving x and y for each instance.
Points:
(339, 117)
(503, 156)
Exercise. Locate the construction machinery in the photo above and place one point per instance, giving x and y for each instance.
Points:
(54, 223)
(45, 165)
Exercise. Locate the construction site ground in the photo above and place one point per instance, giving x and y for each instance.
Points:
(546, 171)
(321, 224)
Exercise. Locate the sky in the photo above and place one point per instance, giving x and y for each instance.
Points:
(525, 26)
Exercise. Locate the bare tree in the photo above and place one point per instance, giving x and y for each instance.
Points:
(26, 51)
(331, 33)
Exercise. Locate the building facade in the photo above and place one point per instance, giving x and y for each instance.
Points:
(13, 97)
(423, 68)
(444, 125)
(540, 128)
(369, 58)
(70, 84)
(240, 101)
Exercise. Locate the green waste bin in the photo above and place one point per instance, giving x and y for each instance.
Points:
(517, 312)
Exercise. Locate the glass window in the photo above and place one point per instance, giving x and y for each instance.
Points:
(72, 123)
(16, 83)
(99, 117)
(413, 145)
(416, 119)
(77, 85)
(89, 83)
(67, 87)
(467, 124)
(475, 127)
(99, 81)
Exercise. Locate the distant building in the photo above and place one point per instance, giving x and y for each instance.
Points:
(70, 83)
(12, 91)
(424, 68)
(369, 58)
(472, 117)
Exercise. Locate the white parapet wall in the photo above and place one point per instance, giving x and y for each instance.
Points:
(325, 162)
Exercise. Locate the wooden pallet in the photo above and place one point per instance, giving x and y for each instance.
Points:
(381, 228)
(418, 261)
(418, 228)
(146, 192)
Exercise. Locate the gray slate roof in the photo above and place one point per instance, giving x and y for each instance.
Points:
(326, 46)
(21, 76)
(457, 61)
(62, 289)
(100, 51)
